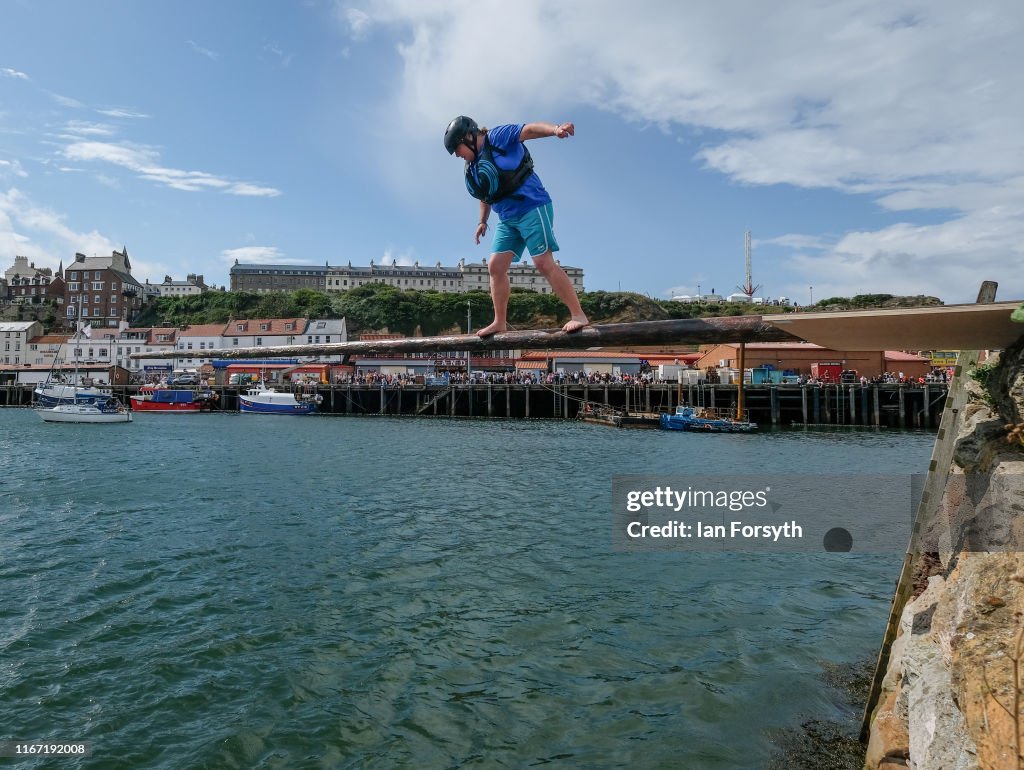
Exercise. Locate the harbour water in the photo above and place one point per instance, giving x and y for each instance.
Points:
(230, 591)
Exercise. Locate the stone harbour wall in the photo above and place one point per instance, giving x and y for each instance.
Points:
(953, 692)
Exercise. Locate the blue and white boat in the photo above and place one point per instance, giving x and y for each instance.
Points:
(264, 400)
(56, 390)
(703, 420)
(105, 410)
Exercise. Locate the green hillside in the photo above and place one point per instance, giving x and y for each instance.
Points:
(379, 307)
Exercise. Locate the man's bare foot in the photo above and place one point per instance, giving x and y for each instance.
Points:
(575, 324)
(491, 329)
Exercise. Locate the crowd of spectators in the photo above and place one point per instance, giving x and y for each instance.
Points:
(521, 377)
(539, 377)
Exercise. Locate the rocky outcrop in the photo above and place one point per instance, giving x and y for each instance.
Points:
(953, 692)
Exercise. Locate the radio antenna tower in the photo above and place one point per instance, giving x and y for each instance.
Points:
(748, 288)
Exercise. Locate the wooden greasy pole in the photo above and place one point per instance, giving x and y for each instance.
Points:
(688, 331)
(739, 392)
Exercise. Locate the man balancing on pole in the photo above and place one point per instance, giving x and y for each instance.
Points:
(499, 173)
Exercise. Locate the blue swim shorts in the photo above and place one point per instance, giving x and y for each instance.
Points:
(534, 231)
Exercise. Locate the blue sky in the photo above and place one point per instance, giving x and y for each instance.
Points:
(868, 146)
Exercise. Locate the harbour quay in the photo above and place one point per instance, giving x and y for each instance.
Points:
(884, 405)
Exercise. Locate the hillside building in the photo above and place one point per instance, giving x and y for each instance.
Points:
(104, 288)
(14, 338)
(416, 277)
(193, 284)
(26, 283)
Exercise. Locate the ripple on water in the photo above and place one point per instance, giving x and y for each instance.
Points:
(227, 592)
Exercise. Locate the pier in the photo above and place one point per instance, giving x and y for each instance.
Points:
(985, 324)
(877, 405)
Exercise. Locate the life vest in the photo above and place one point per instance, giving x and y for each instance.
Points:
(491, 183)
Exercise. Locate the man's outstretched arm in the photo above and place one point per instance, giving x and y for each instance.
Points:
(540, 130)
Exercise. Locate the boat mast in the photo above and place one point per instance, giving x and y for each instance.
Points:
(74, 344)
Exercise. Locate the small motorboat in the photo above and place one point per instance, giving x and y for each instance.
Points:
(704, 420)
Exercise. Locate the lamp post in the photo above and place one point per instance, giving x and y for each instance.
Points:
(469, 330)
(812, 295)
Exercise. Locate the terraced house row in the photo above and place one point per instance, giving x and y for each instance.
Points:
(26, 347)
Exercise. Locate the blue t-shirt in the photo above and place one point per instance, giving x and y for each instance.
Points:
(508, 152)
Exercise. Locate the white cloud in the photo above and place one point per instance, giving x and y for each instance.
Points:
(119, 112)
(917, 104)
(909, 259)
(7, 72)
(145, 162)
(33, 230)
(260, 255)
(12, 167)
(794, 241)
(86, 128)
(212, 55)
(67, 101)
(244, 188)
(358, 21)
(284, 59)
(407, 258)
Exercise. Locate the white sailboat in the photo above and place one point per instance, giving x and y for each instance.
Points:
(93, 406)
(110, 410)
(59, 389)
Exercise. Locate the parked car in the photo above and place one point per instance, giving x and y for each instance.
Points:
(183, 380)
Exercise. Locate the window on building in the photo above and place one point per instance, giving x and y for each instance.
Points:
(259, 340)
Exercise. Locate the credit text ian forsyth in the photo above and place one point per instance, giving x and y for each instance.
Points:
(714, 506)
